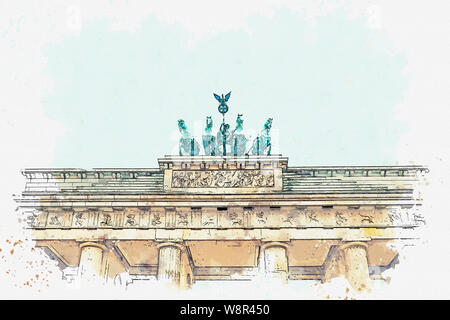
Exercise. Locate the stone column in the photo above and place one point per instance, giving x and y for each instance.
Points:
(274, 262)
(186, 271)
(91, 260)
(356, 266)
(169, 263)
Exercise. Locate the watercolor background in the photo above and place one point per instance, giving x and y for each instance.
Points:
(103, 84)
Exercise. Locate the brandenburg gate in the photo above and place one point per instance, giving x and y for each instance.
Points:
(225, 215)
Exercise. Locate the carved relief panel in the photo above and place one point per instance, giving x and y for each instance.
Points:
(220, 181)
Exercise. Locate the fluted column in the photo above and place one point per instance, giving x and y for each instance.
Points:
(91, 260)
(169, 263)
(273, 261)
(356, 265)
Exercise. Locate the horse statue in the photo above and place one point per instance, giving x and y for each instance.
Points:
(188, 146)
(209, 140)
(239, 140)
(262, 143)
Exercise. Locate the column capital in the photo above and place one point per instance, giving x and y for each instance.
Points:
(93, 244)
(270, 244)
(350, 244)
(171, 244)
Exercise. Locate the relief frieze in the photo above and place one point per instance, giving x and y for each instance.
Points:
(58, 219)
(130, 220)
(233, 217)
(183, 219)
(105, 220)
(157, 219)
(34, 219)
(340, 218)
(80, 220)
(406, 216)
(223, 179)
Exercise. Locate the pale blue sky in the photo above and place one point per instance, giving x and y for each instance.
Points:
(331, 88)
